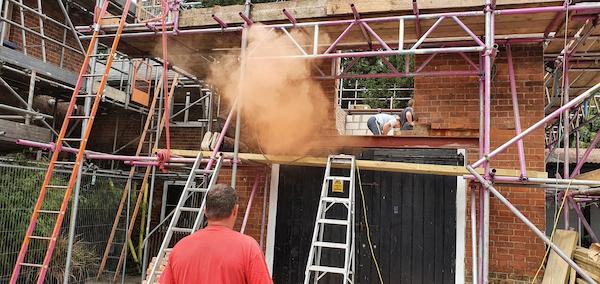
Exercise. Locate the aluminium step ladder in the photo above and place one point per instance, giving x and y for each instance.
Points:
(48, 186)
(333, 196)
(191, 203)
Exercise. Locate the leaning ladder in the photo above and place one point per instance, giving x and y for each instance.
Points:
(70, 115)
(191, 202)
(333, 195)
(120, 219)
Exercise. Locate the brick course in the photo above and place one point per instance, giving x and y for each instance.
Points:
(450, 106)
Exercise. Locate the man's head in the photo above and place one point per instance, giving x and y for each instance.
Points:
(221, 204)
(411, 102)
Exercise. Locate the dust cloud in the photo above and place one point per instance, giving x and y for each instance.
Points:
(284, 110)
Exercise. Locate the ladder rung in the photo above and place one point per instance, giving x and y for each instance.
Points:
(189, 209)
(331, 245)
(336, 200)
(49, 211)
(79, 117)
(327, 269)
(197, 189)
(182, 230)
(341, 160)
(113, 257)
(86, 96)
(111, 17)
(93, 75)
(57, 186)
(40, 238)
(99, 55)
(204, 171)
(72, 139)
(64, 163)
(32, 264)
(338, 178)
(334, 221)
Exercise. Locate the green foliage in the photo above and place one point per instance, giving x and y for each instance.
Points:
(379, 87)
(586, 134)
(19, 189)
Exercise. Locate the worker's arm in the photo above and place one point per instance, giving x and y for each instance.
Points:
(409, 118)
(258, 272)
(386, 129)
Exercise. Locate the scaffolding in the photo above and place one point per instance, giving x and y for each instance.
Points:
(568, 114)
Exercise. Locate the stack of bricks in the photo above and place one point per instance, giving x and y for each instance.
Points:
(356, 124)
(159, 269)
(451, 107)
(340, 120)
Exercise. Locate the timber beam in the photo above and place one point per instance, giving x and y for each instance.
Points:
(368, 165)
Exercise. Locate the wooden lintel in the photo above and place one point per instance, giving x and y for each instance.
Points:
(591, 175)
(362, 164)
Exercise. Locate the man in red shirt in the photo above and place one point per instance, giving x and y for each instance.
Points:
(217, 254)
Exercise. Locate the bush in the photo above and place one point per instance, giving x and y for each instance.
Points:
(19, 190)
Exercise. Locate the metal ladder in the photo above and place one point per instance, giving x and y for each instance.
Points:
(191, 202)
(151, 145)
(70, 115)
(333, 195)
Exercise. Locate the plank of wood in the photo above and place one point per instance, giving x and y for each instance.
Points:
(557, 270)
(573, 276)
(12, 131)
(362, 164)
(591, 175)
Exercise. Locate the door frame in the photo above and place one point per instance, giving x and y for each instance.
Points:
(461, 224)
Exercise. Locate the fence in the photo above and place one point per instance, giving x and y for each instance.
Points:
(19, 186)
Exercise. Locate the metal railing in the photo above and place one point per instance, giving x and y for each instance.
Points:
(351, 93)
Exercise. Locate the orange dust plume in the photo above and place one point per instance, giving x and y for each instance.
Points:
(284, 110)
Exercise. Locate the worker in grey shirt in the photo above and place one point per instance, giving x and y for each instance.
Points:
(382, 123)
(408, 117)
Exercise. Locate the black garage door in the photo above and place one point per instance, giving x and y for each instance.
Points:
(412, 219)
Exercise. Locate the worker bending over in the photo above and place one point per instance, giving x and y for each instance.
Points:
(217, 253)
(382, 123)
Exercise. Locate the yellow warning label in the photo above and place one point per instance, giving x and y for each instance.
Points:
(338, 186)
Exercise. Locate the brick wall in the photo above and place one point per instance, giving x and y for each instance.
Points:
(246, 176)
(450, 107)
(72, 60)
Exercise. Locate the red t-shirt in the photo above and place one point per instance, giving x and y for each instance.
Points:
(214, 255)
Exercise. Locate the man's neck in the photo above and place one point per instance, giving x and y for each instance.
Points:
(221, 223)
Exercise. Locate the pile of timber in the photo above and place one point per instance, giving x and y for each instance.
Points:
(588, 260)
(159, 270)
